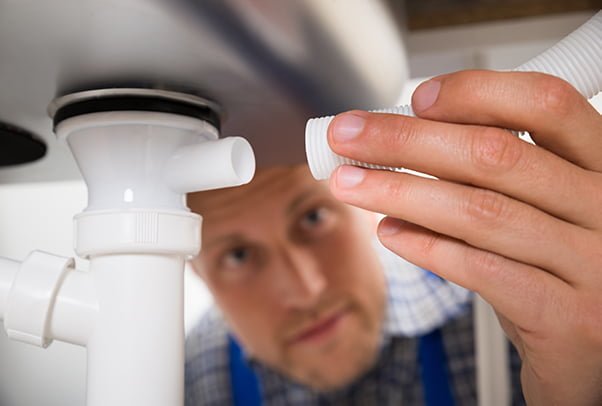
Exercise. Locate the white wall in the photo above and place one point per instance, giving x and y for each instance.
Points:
(39, 216)
(499, 45)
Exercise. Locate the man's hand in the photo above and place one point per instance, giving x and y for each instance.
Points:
(519, 224)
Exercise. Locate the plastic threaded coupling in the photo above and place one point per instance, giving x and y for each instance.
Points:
(321, 159)
(574, 59)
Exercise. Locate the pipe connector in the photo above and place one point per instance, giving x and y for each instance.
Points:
(145, 148)
(32, 295)
(137, 231)
(321, 159)
(210, 165)
(47, 299)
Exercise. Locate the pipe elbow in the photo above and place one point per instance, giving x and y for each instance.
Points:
(48, 300)
(211, 165)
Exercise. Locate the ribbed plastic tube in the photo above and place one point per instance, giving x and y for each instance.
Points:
(577, 59)
(321, 159)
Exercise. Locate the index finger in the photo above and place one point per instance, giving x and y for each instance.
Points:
(555, 114)
(487, 157)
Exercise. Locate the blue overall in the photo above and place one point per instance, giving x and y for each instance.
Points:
(431, 357)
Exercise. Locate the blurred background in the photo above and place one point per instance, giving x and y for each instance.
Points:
(279, 76)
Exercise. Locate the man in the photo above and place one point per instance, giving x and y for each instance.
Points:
(323, 315)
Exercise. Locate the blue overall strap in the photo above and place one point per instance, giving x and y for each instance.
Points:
(433, 370)
(243, 381)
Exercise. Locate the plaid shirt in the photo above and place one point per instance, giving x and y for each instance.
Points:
(418, 302)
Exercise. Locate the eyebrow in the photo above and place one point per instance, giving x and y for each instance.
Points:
(303, 196)
(235, 237)
(238, 238)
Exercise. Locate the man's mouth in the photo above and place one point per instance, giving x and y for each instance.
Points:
(321, 329)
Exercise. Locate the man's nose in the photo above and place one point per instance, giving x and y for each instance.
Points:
(301, 281)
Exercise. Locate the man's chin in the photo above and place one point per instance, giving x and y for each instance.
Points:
(322, 379)
(335, 360)
(329, 373)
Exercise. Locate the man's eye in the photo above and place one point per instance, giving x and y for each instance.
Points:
(314, 218)
(236, 257)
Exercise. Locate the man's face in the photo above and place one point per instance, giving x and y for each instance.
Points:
(294, 273)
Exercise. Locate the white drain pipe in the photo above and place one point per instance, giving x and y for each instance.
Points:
(137, 232)
(135, 354)
(8, 270)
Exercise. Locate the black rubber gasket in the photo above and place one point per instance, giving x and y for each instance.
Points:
(19, 146)
(136, 103)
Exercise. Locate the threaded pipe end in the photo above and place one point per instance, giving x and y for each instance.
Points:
(321, 159)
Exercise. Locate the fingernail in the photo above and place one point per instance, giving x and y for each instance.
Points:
(425, 95)
(349, 176)
(389, 226)
(347, 126)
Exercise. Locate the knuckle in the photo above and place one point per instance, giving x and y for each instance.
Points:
(396, 188)
(484, 207)
(486, 263)
(494, 150)
(428, 245)
(588, 319)
(403, 132)
(556, 96)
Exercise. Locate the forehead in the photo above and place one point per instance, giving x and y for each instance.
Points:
(272, 187)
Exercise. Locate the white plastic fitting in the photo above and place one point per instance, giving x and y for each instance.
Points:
(31, 296)
(576, 59)
(321, 159)
(33, 301)
(140, 159)
(137, 232)
(211, 165)
(142, 231)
